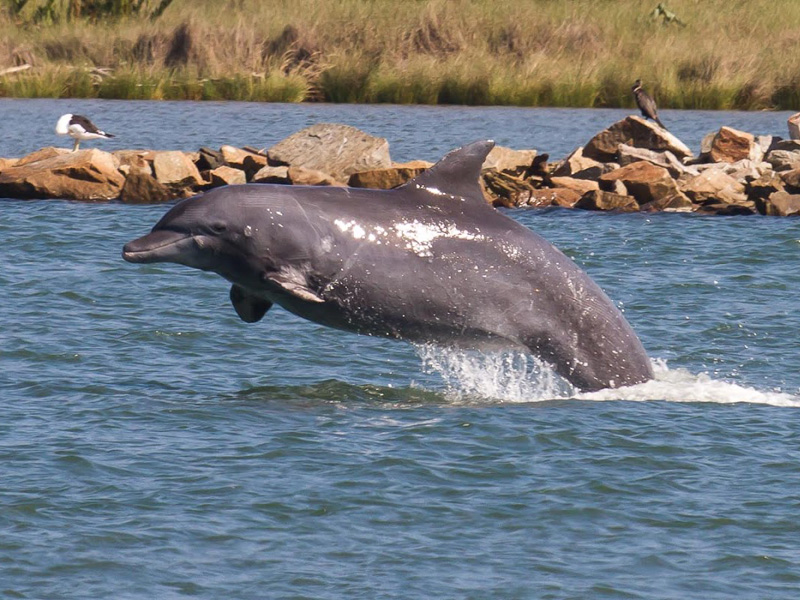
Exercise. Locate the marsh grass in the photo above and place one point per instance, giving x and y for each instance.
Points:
(526, 53)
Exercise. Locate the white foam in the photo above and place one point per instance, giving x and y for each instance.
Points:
(679, 385)
(516, 377)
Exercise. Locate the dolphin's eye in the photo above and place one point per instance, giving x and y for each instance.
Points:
(218, 227)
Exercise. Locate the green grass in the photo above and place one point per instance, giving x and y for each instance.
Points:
(502, 52)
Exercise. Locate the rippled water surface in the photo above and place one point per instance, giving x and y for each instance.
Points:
(154, 446)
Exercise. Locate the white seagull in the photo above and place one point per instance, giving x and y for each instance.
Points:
(79, 128)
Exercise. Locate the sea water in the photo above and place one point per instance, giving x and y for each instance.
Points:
(155, 446)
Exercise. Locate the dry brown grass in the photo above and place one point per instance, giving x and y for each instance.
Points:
(538, 52)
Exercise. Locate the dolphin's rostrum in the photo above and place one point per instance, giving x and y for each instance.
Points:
(429, 261)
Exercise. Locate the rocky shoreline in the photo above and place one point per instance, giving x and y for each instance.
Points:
(634, 165)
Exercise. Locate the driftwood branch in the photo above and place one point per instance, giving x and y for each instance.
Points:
(11, 70)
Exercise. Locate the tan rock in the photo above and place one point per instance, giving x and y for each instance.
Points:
(142, 188)
(7, 163)
(339, 150)
(794, 126)
(706, 142)
(633, 131)
(594, 171)
(208, 159)
(272, 175)
(578, 185)
(617, 187)
(745, 170)
(574, 163)
(413, 164)
(782, 204)
(766, 142)
(134, 161)
(731, 145)
(175, 168)
(784, 158)
(722, 208)
(227, 176)
(679, 203)
(791, 180)
(600, 200)
(713, 185)
(629, 154)
(646, 182)
(516, 162)
(88, 175)
(303, 176)
(42, 154)
(563, 197)
(764, 186)
(235, 157)
(385, 179)
(252, 164)
(503, 189)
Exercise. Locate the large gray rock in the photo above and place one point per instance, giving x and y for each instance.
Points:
(637, 132)
(339, 150)
(88, 175)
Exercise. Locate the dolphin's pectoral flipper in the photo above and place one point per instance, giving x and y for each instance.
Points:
(250, 308)
(293, 285)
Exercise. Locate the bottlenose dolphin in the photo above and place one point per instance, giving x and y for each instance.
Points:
(429, 261)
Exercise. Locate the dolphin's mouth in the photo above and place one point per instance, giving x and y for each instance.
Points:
(158, 246)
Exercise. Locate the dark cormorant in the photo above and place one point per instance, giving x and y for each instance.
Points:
(645, 103)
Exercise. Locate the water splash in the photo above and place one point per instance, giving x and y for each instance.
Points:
(507, 376)
(517, 377)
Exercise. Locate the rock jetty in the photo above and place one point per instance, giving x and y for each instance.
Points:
(633, 165)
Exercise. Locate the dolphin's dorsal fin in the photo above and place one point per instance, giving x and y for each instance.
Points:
(457, 174)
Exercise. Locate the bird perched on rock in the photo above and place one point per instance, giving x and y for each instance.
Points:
(645, 103)
(79, 128)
